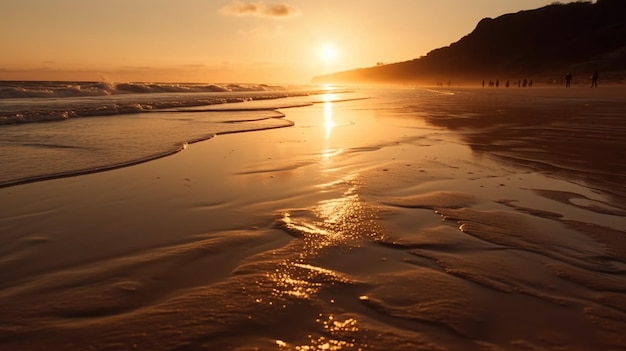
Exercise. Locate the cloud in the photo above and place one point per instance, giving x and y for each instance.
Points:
(240, 8)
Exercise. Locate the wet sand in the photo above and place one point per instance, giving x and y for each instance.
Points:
(450, 219)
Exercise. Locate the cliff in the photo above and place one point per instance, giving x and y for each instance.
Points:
(547, 42)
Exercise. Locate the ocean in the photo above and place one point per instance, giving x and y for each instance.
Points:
(56, 129)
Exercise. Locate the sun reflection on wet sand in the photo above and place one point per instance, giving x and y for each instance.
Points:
(330, 153)
(329, 123)
(293, 281)
(341, 333)
(337, 328)
(337, 222)
(345, 221)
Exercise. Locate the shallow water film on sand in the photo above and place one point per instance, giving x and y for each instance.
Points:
(415, 219)
(57, 129)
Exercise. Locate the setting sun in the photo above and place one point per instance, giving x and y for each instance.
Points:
(328, 54)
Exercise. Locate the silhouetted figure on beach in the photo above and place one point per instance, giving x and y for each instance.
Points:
(525, 82)
(507, 83)
(594, 79)
(497, 83)
(568, 80)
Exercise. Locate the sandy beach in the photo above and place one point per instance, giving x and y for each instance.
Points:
(416, 219)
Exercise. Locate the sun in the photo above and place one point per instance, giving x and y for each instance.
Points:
(328, 54)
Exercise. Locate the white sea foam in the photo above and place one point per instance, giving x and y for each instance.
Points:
(34, 89)
(26, 102)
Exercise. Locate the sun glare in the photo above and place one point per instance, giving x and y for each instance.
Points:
(328, 54)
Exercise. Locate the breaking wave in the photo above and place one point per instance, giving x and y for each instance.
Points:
(27, 102)
(34, 89)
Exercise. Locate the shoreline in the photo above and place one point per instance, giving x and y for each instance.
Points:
(411, 219)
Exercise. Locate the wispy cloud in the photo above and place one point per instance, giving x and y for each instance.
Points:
(241, 8)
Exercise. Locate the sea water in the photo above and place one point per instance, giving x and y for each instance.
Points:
(94, 126)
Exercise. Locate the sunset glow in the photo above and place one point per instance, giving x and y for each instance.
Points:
(329, 54)
(299, 175)
(226, 40)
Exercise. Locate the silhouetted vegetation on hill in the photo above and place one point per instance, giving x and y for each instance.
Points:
(544, 43)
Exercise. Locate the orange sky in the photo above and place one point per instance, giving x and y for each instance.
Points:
(286, 41)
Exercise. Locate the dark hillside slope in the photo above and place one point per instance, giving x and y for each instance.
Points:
(546, 42)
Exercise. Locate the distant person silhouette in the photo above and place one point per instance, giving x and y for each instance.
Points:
(594, 79)
(568, 80)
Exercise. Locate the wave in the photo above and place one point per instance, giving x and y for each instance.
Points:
(103, 108)
(35, 89)
(22, 90)
(98, 99)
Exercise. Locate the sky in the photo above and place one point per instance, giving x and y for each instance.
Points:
(227, 41)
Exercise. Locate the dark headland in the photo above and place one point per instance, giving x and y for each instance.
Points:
(543, 44)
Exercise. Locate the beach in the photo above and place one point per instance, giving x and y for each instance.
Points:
(444, 218)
